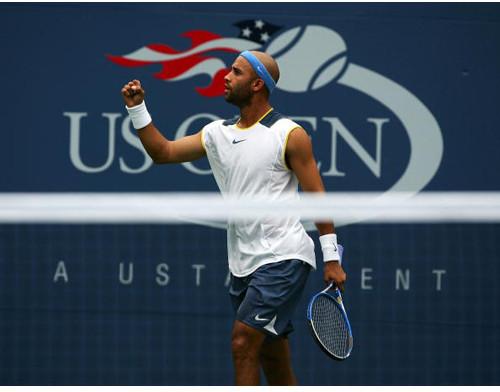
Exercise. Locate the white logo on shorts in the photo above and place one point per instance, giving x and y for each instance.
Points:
(257, 318)
(270, 325)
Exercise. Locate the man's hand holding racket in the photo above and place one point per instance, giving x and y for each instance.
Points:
(333, 272)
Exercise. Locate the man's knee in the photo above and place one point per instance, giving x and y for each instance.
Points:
(240, 342)
(246, 341)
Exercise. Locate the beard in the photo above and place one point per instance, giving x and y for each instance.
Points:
(239, 95)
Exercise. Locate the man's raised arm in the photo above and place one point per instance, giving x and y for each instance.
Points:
(158, 147)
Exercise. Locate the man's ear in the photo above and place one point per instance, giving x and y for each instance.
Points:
(258, 84)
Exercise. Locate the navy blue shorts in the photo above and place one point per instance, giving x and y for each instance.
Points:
(266, 299)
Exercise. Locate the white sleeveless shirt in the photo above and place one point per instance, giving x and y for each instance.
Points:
(250, 162)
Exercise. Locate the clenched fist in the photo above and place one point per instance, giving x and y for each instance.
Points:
(133, 93)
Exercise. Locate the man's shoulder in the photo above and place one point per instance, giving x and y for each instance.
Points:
(221, 123)
(213, 125)
(272, 118)
(230, 121)
(276, 119)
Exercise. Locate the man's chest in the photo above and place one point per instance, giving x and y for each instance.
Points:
(252, 151)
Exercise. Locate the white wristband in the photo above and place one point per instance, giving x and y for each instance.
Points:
(139, 115)
(329, 247)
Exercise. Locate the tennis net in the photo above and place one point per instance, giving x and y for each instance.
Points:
(131, 289)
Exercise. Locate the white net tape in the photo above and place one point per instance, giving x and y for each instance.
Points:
(344, 208)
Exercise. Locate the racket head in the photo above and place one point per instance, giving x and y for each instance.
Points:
(329, 324)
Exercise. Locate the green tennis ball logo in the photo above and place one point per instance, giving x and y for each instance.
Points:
(309, 57)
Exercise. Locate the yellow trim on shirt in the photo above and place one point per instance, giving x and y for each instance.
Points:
(202, 133)
(284, 145)
(255, 123)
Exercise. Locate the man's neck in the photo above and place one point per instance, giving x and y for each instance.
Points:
(252, 113)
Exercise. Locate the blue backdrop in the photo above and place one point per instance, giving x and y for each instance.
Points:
(395, 97)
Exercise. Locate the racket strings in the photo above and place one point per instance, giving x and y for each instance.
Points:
(330, 326)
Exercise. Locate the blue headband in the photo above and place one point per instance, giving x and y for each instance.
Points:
(260, 70)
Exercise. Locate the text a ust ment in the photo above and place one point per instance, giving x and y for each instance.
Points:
(367, 281)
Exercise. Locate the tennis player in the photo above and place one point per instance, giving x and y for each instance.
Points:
(262, 154)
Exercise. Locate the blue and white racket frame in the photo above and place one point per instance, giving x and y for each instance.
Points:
(337, 298)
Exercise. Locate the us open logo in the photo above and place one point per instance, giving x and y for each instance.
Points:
(312, 59)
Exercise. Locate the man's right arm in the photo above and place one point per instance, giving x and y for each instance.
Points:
(158, 147)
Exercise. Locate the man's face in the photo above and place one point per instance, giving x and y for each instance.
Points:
(238, 82)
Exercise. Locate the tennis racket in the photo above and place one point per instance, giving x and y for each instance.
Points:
(329, 324)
